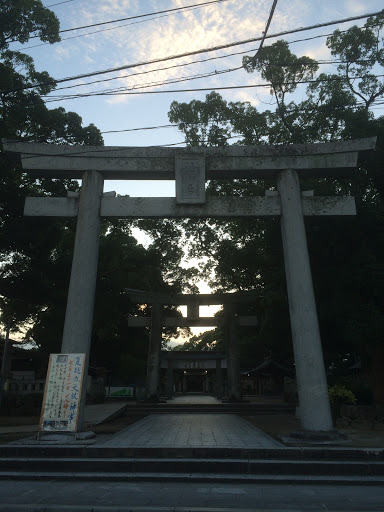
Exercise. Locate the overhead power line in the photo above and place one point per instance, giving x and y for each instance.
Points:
(323, 108)
(156, 70)
(167, 81)
(143, 128)
(189, 54)
(59, 3)
(174, 91)
(266, 30)
(113, 28)
(143, 15)
(132, 17)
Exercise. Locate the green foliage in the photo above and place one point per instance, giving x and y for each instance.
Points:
(22, 19)
(35, 253)
(339, 395)
(208, 341)
(346, 253)
(360, 50)
(281, 68)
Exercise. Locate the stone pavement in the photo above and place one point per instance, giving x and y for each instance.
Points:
(98, 413)
(54, 496)
(194, 399)
(191, 430)
(94, 414)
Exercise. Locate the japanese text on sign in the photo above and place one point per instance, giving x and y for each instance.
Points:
(62, 393)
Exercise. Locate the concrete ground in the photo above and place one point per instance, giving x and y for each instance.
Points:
(16, 427)
(113, 416)
(191, 430)
(50, 495)
(54, 496)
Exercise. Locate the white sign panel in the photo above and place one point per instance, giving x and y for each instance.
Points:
(61, 402)
(190, 179)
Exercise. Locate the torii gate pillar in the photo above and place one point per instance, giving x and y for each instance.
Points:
(78, 322)
(231, 342)
(309, 362)
(154, 353)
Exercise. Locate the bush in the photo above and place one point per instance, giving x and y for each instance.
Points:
(339, 395)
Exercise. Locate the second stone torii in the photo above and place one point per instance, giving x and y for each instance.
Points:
(156, 322)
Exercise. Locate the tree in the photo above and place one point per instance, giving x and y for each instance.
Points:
(26, 252)
(21, 20)
(35, 262)
(346, 255)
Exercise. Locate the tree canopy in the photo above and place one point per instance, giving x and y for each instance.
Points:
(35, 253)
(346, 253)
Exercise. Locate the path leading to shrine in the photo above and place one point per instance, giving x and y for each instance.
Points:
(191, 431)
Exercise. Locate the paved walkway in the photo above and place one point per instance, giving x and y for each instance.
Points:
(194, 399)
(93, 415)
(191, 431)
(98, 413)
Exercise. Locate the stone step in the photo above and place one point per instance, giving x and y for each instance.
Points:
(200, 477)
(243, 409)
(128, 469)
(188, 477)
(329, 454)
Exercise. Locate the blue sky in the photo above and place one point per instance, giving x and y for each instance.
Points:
(167, 34)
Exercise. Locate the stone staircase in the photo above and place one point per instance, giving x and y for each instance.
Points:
(281, 465)
(242, 408)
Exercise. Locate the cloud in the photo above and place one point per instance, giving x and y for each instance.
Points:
(173, 33)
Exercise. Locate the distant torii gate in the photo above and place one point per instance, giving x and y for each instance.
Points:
(193, 301)
(191, 167)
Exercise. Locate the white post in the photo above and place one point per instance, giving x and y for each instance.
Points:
(233, 363)
(81, 294)
(315, 413)
(154, 353)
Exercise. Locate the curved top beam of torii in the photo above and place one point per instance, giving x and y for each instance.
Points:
(206, 299)
(153, 163)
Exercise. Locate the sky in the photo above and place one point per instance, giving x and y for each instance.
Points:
(142, 39)
(187, 28)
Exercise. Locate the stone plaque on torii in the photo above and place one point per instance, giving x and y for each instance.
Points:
(157, 321)
(284, 163)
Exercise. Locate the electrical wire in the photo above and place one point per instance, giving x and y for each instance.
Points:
(266, 30)
(105, 150)
(121, 77)
(323, 108)
(174, 91)
(143, 128)
(131, 17)
(168, 81)
(108, 29)
(164, 82)
(188, 54)
(59, 3)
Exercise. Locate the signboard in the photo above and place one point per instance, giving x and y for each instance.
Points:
(190, 179)
(62, 394)
(119, 392)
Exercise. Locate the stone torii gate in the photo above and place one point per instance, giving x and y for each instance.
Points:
(192, 167)
(156, 322)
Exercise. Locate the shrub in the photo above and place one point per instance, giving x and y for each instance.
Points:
(339, 395)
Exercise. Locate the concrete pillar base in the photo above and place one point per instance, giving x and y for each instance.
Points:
(319, 438)
(63, 438)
